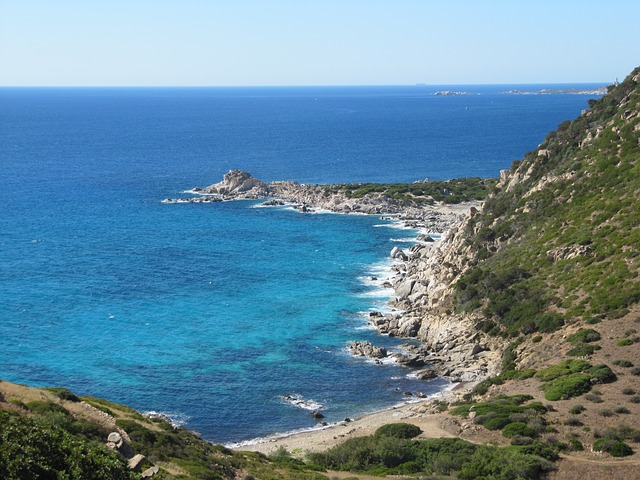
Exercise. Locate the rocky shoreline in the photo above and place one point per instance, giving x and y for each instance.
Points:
(450, 345)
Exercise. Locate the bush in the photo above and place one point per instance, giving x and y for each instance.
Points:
(573, 422)
(575, 445)
(602, 374)
(583, 350)
(621, 410)
(29, 450)
(567, 387)
(635, 371)
(584, 335)
(624, 342)
(615, 448)
(518, 428)
(42, 407)
(594, 398)
(623, 363)
(64, 394)
(628, 391)
(576, 409)
(398, 430)
(563, 368)
(635, 399)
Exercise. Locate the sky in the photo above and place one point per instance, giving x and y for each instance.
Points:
(316, 42)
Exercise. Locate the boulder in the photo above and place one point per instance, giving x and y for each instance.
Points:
(398, 254)
(427, 374)
(150, 472)
(135, 462)
(366, 349)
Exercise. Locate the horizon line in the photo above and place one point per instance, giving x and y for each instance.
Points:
(417, 84)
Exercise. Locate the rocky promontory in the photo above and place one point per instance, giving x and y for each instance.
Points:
(308, 198)
(422, 276)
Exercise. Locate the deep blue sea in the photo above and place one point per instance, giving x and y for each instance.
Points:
(211, 313)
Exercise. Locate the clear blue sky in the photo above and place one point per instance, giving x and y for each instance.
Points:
(316, 42)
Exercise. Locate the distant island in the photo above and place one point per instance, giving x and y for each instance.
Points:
(560, 91)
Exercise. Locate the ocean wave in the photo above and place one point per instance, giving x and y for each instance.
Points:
(175, 419)
(299, 401)
(404, 240)
(278, 436)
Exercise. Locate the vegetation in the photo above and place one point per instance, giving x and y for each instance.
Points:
(561, 244)
(32, 449)
(383, 455)
(572, 378)
(450, 191)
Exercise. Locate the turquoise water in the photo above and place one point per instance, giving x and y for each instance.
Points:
(212, 313)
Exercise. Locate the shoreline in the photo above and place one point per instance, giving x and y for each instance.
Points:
(423, 413)
(448, 345)
(420, 412)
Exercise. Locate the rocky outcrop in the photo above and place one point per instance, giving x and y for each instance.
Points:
(238, 184)
(366, 349)
(307, 198)
(423, 285)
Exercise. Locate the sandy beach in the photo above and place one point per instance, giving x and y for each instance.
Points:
(424, 414)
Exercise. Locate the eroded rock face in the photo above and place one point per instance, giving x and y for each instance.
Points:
(424, 290)
(238, 184)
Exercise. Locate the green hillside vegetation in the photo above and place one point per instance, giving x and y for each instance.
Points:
(422, 193)
(49, 439)
(562, 243)
(444, 457)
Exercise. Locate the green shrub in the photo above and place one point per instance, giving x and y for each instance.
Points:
(584, 335)
(43, 407)
(495, 422)
(620, 410)
(569, 386)
(518, 428)
(398, 430)
(628, 391)
(565, 367)
(576, 409)
(64, 394)
(602, 374)
(624, 342)
(575, 445)
(615, 448)
(623, 363)
(583, 350)
(29, 451)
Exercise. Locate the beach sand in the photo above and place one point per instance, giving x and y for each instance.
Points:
(424, 414)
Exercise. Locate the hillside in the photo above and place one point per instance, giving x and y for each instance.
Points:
(558, 240)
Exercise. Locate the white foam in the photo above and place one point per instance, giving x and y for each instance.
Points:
(299, 401)
(277, 436)
(403, 240)
(175, 419)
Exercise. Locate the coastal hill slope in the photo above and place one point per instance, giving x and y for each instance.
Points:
(556, 244)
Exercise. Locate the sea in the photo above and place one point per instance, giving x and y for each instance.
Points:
(231, 318)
